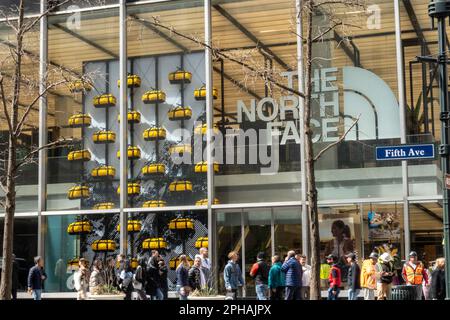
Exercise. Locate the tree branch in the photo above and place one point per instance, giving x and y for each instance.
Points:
(55, 144)
(331, 145)
(30, 25)
(35, 100)
(5, 107)
(218, 53)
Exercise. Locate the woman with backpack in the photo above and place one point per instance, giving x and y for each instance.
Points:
(139, 280)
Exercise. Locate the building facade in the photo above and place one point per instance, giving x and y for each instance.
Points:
(250, 198)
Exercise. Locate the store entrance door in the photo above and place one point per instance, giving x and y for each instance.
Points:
(250, 231)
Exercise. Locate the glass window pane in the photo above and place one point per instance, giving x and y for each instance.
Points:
(84, 174)
(422, 99)
(288, 230)
(170, 69)
(27, 175)
(244, 149)
(24, 246)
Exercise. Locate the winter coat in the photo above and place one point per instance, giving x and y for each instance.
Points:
(163, 278)
(354, 277)
(35, 281)
(182, 276)
(96, 280)
(194, 278)
(81, 280)
(152, 276)
(260, 272)
(232, 276)
(438, 284)
(294, 271)
(368, 275)
(277, 278)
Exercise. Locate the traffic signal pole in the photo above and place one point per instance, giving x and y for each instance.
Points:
(440, 10)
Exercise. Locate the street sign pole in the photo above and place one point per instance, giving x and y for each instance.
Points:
(440, 10)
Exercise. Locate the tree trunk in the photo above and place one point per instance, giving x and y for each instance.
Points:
(10, 201)
(10, 208)
(315, 293)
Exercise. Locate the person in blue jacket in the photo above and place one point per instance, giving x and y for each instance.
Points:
(232, 275)
(293, 270)
(36, 278)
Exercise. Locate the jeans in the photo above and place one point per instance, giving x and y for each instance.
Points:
(353, 294)
(419, 293)
(261, 291)
(293, 293)
(159, 294)
(37, 294)
(369, 294)
(332, 296)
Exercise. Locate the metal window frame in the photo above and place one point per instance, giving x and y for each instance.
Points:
(402, 107)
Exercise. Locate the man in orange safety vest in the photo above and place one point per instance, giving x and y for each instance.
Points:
(414, 274)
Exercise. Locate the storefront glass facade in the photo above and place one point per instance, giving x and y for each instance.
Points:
(254, 202)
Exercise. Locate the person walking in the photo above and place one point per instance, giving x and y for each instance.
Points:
(110, 272)
(153, 276)
(163, 284)
(15, 277)
(334, 278)
(205, 267)
(194, 276)
(232, 276)
(36, 278)
(324, 274)
(353, 277)
(368, 279)
(260, 272)
(182, 271)
(293, 271)
(414, 274)
(139, 279)
(81, 279)
(126, 279)
(306, 277)
(97, 279)
(276, 280)
(437, 290)
(385, 274)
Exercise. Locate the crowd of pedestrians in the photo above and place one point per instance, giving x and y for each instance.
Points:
(148, 280)
(290, 280)
(285, 278)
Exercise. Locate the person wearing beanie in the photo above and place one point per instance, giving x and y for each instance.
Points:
(335, 278)
(368, 279)
(353, 277)
(260, 273)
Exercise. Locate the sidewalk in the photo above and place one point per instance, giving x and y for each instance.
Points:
(172, 295)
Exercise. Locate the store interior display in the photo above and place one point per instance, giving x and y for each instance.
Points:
(160, 103)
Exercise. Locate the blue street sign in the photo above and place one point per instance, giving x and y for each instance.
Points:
(405, 152)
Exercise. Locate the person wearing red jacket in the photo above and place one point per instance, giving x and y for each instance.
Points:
(414, 274)
(334, 278)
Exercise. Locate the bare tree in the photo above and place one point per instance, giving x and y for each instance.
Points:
(20, 94)
(334, 18)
